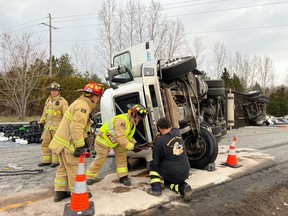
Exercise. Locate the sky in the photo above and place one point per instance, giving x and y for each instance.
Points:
(258, 27)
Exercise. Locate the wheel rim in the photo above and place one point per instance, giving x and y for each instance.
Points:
(195, 151)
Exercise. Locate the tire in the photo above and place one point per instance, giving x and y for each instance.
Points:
(215, 83)
(216, 129)
(200, 157)
(216, 92)
(252, 94)
(178, 68)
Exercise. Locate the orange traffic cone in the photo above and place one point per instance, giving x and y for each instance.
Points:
(80, 204)
(232, 159)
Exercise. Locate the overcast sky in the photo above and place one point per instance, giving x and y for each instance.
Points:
(258, 27)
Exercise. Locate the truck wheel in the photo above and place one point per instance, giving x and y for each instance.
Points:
(202, 153)
(178, 68)
(216, 92)
(215, 83)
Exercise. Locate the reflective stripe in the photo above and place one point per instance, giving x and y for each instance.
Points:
(63, 142)
(79, 143)
(129, 146)
(46, 159)
(103, 142)
(60, 183)
(49, 111)
(177, 188)
(80, 187)
(88, 174)
(155, 180)
(122, 170)
(154, 173)
(108, 130)
(68, 115)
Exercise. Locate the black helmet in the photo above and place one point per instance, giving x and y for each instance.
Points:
(138, 109)
(54, 86)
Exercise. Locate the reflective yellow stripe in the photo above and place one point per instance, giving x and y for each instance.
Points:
(64, 143)
(129, 146)
(79, 142)
(60, 183)
(46, 159)
(155, 180)
(154, 173)
(122, 170)
(177, 188)
(49, 111)
(68, 115)
(88, 174)
(103, 142)
(61, 141)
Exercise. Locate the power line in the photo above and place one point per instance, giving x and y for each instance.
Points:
(240, 29)
(37, 20)
(227, 9)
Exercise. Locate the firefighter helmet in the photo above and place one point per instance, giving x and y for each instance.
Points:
(138, 109)
(92, 88)
(54, 86)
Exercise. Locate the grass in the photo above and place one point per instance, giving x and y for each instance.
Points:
(15, 119)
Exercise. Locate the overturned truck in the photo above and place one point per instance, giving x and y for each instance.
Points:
(172, 89)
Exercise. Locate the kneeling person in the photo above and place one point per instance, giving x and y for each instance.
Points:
(170, 162)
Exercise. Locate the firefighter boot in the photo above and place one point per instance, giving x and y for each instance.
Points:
(54, 165)
(90, 181)
(154, 192)
(43, 164)
(187, 193)
(60, 195)
(124, 180)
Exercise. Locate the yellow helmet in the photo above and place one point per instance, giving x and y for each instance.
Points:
(54, 86)
(138, 109)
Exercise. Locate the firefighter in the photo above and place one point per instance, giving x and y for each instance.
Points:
(117, 134)
(170, 162)
(54, 109)
(68, 142)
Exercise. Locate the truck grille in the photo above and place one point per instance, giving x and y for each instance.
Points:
(122, 101)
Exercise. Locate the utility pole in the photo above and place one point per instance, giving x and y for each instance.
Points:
(50, 43)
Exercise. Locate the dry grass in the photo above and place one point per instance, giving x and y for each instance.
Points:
(15, 119)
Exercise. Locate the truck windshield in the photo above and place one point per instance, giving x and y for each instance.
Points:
(123, 59)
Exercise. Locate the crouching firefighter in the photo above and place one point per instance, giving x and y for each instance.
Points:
(117, 134)
(68, 142)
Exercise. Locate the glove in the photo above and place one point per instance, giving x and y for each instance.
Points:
(137, 148)
(79, 151)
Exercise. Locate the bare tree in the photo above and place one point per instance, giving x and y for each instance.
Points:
(130, 21)
(266, 73)
(21, 68)
(104, 45)
(77, 51)
(219, 59)
(129, 26)
(198, 51)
